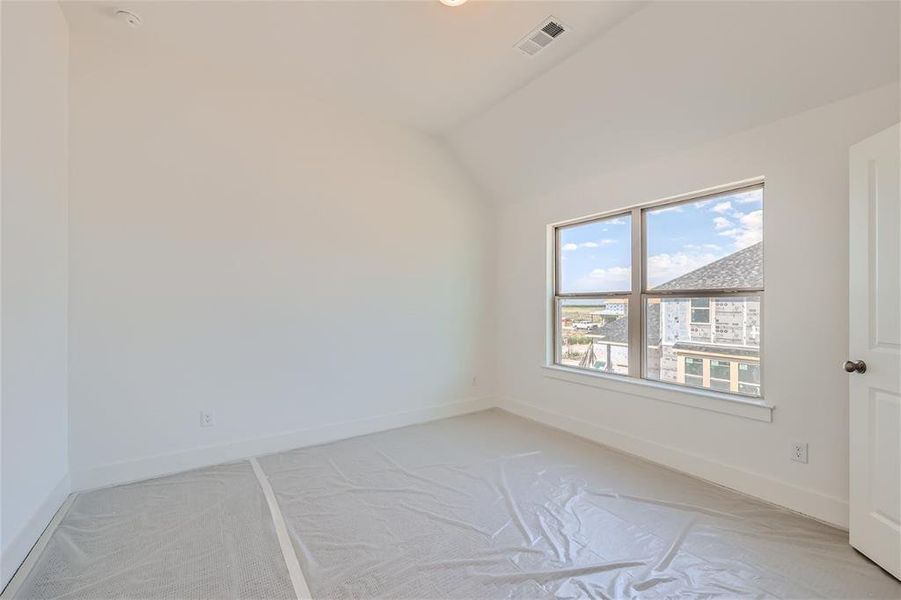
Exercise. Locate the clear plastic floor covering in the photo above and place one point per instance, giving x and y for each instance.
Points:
(201, 534)
(481, 506)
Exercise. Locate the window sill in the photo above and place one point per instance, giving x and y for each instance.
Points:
(664, 392)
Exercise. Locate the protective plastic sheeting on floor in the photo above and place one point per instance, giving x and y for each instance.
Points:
(202, 534)
(492, 506)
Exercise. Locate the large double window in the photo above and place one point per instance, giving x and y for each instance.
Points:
(670, 291)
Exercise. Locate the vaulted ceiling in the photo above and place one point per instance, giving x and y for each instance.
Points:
(628, 81)
(675, 75)
(421, 63)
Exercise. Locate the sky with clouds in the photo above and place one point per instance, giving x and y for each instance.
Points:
(596, 256)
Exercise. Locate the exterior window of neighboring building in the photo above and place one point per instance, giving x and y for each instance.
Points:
(671, 291)
(700, 310)
(694, 371)
(749, 378)
(719, 369)
(720, 378)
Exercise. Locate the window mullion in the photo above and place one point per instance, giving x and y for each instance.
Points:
(636, 310)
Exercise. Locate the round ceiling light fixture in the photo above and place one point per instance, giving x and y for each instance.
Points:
(128, 17)
(453, 2)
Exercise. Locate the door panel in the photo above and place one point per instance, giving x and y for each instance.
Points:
(875, 338)
(885, 316)
(885, 431)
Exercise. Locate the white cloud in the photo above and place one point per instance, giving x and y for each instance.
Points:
(571, 246)
(696, 247)
(747, 197)
(614, 278)
(749, 232)
(722, 207)
(665, 267)
(722, 223)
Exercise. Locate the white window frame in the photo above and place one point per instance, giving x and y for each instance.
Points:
(637, 301)
(692, 309)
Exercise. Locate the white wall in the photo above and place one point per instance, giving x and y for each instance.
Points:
(34, 191)
(804, 159)
(282, 262)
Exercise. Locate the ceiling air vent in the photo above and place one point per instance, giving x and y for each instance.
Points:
(539, 38)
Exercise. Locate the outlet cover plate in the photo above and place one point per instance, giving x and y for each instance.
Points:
(799, 452)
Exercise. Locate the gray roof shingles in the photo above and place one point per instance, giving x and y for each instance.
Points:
(737, 351)
(739, 270)
(617, 332)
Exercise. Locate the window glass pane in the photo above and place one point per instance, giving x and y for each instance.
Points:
(694, 380)
(749, 373)
(719, 369)
(694, 366)
(750, 390)
(596, 256)
(593, 334)
(712, 243)
(700, 315)
(719, 385)
(675, 345)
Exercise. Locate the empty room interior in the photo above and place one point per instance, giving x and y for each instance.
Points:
(450, 299)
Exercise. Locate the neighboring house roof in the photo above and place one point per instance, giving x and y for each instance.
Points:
(689, 347)
(617, 332)
(742, 269)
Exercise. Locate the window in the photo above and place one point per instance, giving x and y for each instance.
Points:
(749, 378)
(694, 372)
(700, 310)
(593, 282)
(720, 375)
(670, 292)
(592, 334)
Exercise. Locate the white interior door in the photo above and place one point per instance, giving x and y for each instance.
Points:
(875, 340)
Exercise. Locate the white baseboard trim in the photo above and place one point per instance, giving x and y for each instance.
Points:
(829, 509)
(167, 464)
(13, 555)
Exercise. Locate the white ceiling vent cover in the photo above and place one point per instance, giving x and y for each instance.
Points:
(539, 38)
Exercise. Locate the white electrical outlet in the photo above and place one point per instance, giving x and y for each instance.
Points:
(799, 452)
(207, 418)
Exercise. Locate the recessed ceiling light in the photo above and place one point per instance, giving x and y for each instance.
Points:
(452, 2)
